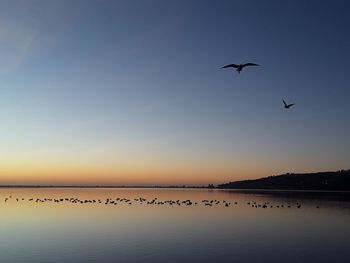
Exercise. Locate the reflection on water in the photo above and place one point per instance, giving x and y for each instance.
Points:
(172, 225)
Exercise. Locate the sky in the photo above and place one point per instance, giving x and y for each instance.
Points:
(132, 92)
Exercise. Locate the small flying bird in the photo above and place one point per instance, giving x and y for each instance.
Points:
(239, 67)
(287, 106)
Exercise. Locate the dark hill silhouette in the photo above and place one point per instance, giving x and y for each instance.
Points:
(324, 181)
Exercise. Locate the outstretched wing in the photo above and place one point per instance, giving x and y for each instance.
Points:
(285, 104)
(250, 64)
(290, 105)
(230, 66)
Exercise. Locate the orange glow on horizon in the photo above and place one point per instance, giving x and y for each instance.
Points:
(129, 172)
(137, 175)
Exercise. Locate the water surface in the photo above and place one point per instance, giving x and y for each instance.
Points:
(172, 225)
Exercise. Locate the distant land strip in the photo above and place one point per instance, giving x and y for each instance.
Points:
(321, 181)
(99, 186)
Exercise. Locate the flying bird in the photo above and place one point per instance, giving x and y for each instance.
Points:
(239, 67)
(287, 106)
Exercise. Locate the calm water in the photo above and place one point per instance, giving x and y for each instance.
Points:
(78, 229)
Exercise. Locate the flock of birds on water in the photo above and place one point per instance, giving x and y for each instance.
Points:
(153, 202)
(239, 68)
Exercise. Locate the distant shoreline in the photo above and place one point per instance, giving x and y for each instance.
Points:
(170, 187)
(283, 190)
(321, 181)
(103, 186)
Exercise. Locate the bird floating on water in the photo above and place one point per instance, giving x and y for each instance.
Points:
(287, 106)
(239, 67)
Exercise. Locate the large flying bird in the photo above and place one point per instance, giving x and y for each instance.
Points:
(239, 67)
(287, 106)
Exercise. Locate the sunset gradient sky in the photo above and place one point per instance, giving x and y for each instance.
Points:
(131, 92)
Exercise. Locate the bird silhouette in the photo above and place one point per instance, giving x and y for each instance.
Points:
(287, 106)
(239, 67)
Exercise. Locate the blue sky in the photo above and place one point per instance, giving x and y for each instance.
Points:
(118, 89)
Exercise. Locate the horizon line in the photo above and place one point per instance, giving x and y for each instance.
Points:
(102, 186)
